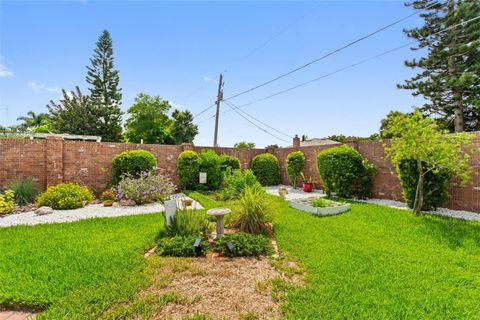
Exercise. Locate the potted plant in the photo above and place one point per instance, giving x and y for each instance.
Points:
(307, 183)
(107, 197)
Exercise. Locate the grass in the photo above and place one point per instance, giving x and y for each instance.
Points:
(75, 270)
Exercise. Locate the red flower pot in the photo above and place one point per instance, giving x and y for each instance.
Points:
(307, 187)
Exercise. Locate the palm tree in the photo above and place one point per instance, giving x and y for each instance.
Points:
(31, 120)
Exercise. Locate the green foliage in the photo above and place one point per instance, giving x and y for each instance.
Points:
(211, 163)
(107, 195)
(244, 145)
(77, 269)
(417, 138)
(25, 191)
(188, 223)
(7, 202)
(295, 163)
(266, 168)
(179, 246)
(253, 213)
(386, 122)
(65, 196)
(33, 120)
(183, 129)
(235, 183)
(342, 138)
(132, 162)
(229, 163)
(188, 166)
(435, 185)
(345, 172)
(44, 128)
(105, 94)
(246, 245)
(145, 188)
(272, 146)
(321, 203)
(148, 120)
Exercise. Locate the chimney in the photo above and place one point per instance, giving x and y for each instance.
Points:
(296, 142)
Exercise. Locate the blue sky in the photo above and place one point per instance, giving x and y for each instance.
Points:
(177, 50)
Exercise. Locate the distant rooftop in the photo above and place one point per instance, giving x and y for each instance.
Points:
(316, 142)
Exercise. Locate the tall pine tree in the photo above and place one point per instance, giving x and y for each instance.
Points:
(450, 76)
(104, 90)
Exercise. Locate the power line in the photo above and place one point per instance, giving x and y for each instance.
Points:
(351, 65)
(328, 54)
(254, 124)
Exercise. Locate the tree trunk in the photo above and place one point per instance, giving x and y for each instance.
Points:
(452, 70)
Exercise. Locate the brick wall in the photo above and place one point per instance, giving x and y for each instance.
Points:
(54, 160)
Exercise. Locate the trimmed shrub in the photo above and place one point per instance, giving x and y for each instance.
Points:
(211, 163)
(188, 166)
(132, 162)
(234, 184)
(25, 191)
(7, 202)
(179, 246)
(229, 163)
(246, 245)
(266, 168)
(146, 188)
(344, 171)
(188, 223)
(435, 185)
(253, 211)
(65, 196)
(295, 162)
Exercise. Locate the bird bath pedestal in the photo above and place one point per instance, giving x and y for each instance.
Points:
(219, 213)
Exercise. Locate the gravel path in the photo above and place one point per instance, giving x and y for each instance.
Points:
(87, 212)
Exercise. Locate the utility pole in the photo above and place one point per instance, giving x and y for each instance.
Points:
(219, 98)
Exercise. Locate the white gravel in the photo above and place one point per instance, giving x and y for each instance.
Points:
(87, 212)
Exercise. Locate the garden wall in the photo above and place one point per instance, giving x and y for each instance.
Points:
(53, 160)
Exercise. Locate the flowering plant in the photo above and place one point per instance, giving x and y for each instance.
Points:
(107, 195)
(145, 188)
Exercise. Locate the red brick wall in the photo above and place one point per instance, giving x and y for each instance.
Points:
(51, 161)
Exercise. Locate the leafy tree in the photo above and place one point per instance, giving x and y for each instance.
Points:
(104, 90)
(417, 138)
(74, 114)
(244, 145)
(385, 123)
(183, 129)
(304, 137)
(149, 120)
(295, 163)
(32, 120)
(343, 138)
(272, 146)
(449, 79)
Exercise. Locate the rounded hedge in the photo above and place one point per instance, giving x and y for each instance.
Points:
(188, 167)
(65, 196)
(132, 162)
(435, 185)
(230, 163)
(295, 163)
(211, 163)
(266, 168)
(344, 171)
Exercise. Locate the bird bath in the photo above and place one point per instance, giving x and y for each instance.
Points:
(219, 213)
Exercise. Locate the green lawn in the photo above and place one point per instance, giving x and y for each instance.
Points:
(372, 262)
(75, 270)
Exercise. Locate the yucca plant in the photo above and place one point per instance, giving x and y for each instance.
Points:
(253, 210)
(25, 191)
(187, 223)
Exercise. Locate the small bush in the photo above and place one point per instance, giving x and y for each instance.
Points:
(266, 168)
(321, 203)
(295, 162)
(344, 171)
(107, 195)
(188, 166)
(146, 188)
(211, 163)
(132, 162)
(25, 191)
(179, 246)
(246, 245)
(253, 210)
(188, 223)
(229, 163)
(7, 202)
(65, 196)
(435, 185)
(234, 184)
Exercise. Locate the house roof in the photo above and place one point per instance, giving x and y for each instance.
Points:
(316, 142)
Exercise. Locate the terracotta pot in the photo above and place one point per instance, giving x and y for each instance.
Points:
(107, 203)
(187, 202)
(307, 187)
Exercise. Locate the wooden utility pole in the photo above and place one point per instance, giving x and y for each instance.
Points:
(219, 98)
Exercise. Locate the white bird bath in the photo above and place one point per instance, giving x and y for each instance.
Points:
(219, 213)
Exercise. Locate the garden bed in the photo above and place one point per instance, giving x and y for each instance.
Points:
(307, 205)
